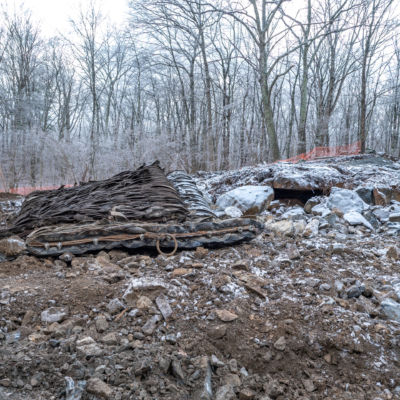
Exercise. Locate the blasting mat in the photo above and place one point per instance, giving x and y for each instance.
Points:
(83, 238)
(141, 195)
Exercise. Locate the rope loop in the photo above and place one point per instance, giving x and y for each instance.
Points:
(172, 252)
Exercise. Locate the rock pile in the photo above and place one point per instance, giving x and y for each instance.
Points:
(310, 309)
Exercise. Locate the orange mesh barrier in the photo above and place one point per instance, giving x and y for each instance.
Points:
(316, 152)
(328, 151)
(24, 191)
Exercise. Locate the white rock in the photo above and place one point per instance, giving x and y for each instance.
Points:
(346, 200)
(53, 314)
(293, 213)
(320, 209)
(248, 199)
(391, 309)
(355, 218)
(138, 285)
(233, 212)
(284, 227)
(311, 229)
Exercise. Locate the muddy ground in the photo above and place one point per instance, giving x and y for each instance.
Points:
(277, 318)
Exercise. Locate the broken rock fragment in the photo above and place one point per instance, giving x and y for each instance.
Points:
(226, 316)
(164, 307)
(53, 314)
(150, 326)
(99, 388)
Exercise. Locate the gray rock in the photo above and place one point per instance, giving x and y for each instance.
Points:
(355, 218)
(89, 349)
(366, 194)
(150, 326)
(177, 370)
(325, 287)
(233, 212)
(99, 388)
(394, 217)
(164, 307)
(110, 339)
(53, 314)
(382, 214)
(346, 201)
(355, 291)
(248, 199)
(115, 306)
(372, 219)
(101, 324)
(314, 201)
(216, 362)
(280, 344)
(391, 309)
(225, 393)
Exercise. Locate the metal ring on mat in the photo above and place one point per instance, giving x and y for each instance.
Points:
(172, 252)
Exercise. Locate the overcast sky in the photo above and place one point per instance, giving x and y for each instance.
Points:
(55, 14)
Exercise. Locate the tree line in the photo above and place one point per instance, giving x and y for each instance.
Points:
(198, 84)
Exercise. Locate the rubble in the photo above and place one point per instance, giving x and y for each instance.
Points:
(309, 309)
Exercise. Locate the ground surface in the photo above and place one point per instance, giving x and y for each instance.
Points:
(293, 330)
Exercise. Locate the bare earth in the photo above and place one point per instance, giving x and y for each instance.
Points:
(279, 318)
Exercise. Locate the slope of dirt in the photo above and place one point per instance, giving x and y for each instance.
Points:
(279, 318)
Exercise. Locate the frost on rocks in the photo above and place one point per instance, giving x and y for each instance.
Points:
(346, 200)
(53, 314)
(311, 230)
(355, 218)
(233, 212)
(320, 209)
(137, 285)
(248, 199)
(391, 309)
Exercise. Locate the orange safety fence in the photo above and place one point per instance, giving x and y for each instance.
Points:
(316, 152)
(327, 151)
(24, 191)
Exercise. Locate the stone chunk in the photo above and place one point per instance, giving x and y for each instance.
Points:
(115, 306)
(150, 326)
(101, 324)
(346, 201)
(280, 344)
(99, 388)
(164, 307)
(53, 314)
(355, 218)
(226, 316)
(391, 309)
(248, 199)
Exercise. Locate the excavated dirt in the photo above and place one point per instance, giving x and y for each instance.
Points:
(273, 319)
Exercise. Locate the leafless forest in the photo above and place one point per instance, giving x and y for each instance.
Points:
(200, 85)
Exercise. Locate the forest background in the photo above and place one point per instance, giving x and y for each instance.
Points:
(197, 84)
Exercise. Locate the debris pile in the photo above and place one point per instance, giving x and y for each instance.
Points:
(309, 309)
(144, 194)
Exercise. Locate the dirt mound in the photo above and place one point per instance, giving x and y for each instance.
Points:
(278, 318)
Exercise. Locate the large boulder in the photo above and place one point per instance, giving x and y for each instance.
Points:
(345, 201)
(248, 199)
